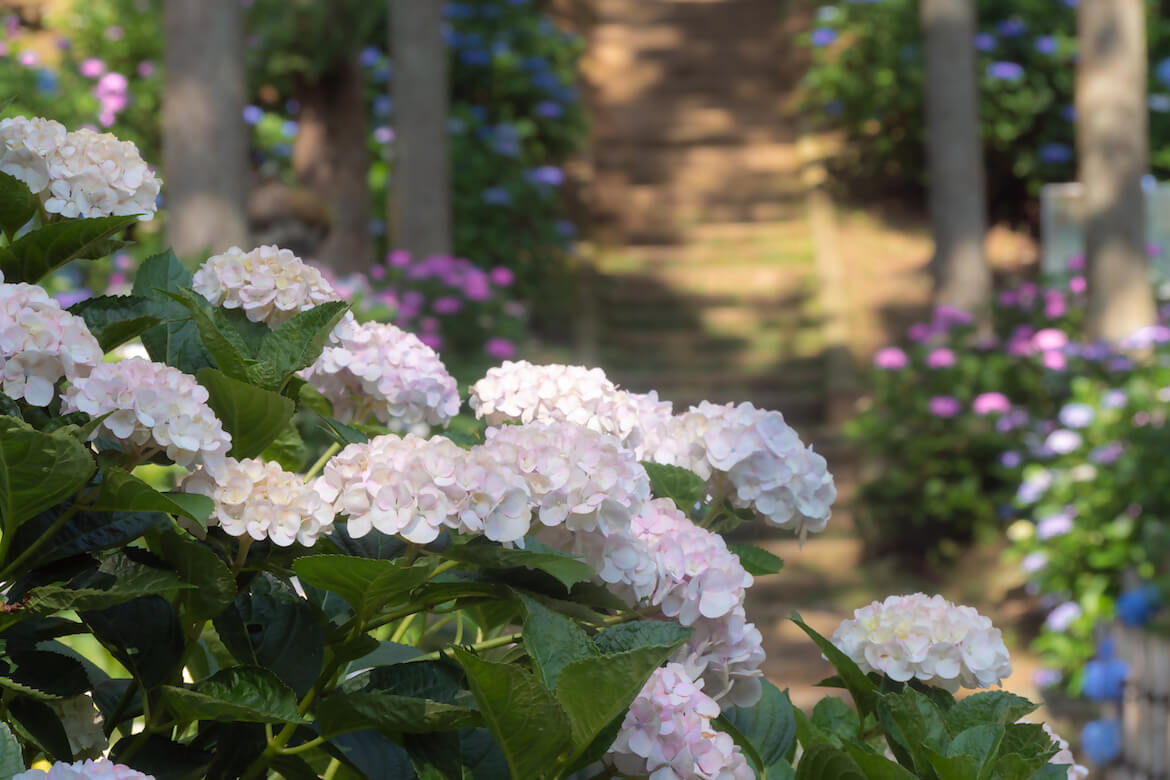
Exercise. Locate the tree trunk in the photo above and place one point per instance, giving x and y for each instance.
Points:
(330, 158)
(205, 144)
(1112, 148)
(958, 208)
(420, 202)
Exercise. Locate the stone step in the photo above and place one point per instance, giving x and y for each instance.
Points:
(739, 282)
(742, 358)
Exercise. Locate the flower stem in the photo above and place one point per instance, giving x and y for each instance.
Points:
(329, 452)
(487, 644)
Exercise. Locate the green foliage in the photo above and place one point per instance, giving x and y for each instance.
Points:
(37, 470)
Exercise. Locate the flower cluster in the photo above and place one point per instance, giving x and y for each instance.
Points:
(415, 487)
(83, 724)
(151, 406)
(261, 500)
(381, 369)
(668, 734)
(753, 458)
(78, 174)
(89, 769)
(928, 638)
(40, 343)
(270, 284)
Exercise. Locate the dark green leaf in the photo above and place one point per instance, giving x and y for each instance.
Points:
(42, 674)
(860, 687)
(123, 492)
(375, 754)
(240, 693)
(980, 743)
(553, 641)
(227, 346)
(877, 767)
(36, 720)
(915, 724)
(143, 634)
(296, 343)
(388, 712)
(254, 417)
(366, 584)
(946, 767)
(565, 568)
(85, 532)
(769, 726)
(823, 762)
(11, 760)
(834, 716)
(994, 707)
(756, 561)
(177, 342)
(436, 756)
(482, 755)
(288, 449)
(684, 487)
(343, 434)
(198, 564)
(529, 725)
(18, 205)
(115, 319)
(640, 633)
(161, 758)
(33, 255)
(37, 470)
(120, 580)
(433, 680)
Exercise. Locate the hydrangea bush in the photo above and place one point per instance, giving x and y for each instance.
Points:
(542, 597)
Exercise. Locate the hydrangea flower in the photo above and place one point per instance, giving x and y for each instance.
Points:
(928, 638)
(40, 343)
(381, 369)
(84, 770)
(261, 500)
(83, 724)
(270, 284)
(26, 146)
(152, 406)
(94, 174)
(753, 458)
(891, 359)
(668, 734)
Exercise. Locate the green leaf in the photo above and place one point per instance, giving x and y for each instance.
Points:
(144, 634)
(834, 716)
(980, 743)
(946, 767)
(684, 487)
(176, 342)
(226, 345)
(37, 470)
(641, 633)
(84, 532)
(824, 762)
(565, 568)
(126, 580)
(368, 585)
(553, 641)
(340, 713)
(594, 691)
(288, 449)
(343, 434)
(241, 693)
(529, 725)
(1029, 741)
(123, 492)
(994, 707)
(877, 767)
(42, 674)
(35, 254)
(296, 343)
(18, 205)
(254, 417)
(197, 563)
(769, 726)
(915, 724)
(756, 561)
(860, 687)
(36, 720)
(11, 760)
(115, 319)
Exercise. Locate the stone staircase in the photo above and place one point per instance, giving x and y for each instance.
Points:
(706, 284)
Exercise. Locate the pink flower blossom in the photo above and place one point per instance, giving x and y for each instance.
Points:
(502, 276)
(500, 348)
(1050, 339)
(91, 67)
(1076, 263)
(1077, 285)
(919, 332)
(941, 358)
(945, 406)
(890, 358)
(1055, 361)
(991, 403)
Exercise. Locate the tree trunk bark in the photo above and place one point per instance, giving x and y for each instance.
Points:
(420, 202)
(1113, 150)
(205, 144)
(958, 207)
(330, 158)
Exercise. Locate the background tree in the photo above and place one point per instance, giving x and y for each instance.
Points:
(958, 209)
(420, 202)
(204, 143)
(1113, 151)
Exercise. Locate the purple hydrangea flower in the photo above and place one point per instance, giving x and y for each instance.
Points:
(941, 358)
(1010, 28)
(984, 42)
(1063, 616)
(1076, 415)
(991, 403)
(1034, 562)
(1005, 71)
(1010, 459)
(1058, 524)
(1063, 441)
(1045, 44)
(945, 406)
(1055, 154)
(823, 36)
(890, 358)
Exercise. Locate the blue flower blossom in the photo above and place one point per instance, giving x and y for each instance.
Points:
(1101, 740)
(253, 114)
(289, 128)
(383, 105)
(369, 56)
(823, 36)
(1010, 28)
(1005, 71)
(496, 196)
(1045, 44)
(549, 109)
(1136, 607)
(1055, 153)
(985, 42)
(547, 175)
(1162, 72)
(1105, 678)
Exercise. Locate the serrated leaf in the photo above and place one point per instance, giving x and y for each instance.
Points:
(913, 723)
(860, 687)
(84, 532)
(567, 569)
(683, 486)
(296, 343)
(253, 416)
(995, 707)
(35, 254)
(115, 319)
(128, 580)
(529, 725)
(144, 634)
(834, 716)
(769, 726)
(176, 342)
(288, 449)
(38, 721)
(18, 205)
(42, 674)
(199, 565)
(877, 767)
(241, 693)
(121, 491)
(227, 346)
(824, 762)
(553, 641)
(389, 712)
(641, 633)
(980, 744)
(756, 561)
(367, 584)
(11, 759)
(37, 470)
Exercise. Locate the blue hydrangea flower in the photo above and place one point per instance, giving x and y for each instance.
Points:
(1010, 28)
(1105, 678)
(549, 109)
(1046, 44)
(253, 114)
(985, 42)
(1101, 740)
(1076, 415)
(1005, 71)
(1136, 607)
(369, 56)
(1055, 153)
(823, 36)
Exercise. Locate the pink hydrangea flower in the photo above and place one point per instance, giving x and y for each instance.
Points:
(890, 358)
(944, 406)
(941, 358)
(991, 403)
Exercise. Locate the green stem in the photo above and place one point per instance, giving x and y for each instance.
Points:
(329, 452)
(442, 567)
(487, 644)
(438, 624)
(403, 627)
(331, 770)
(301, 748)
(6, 542)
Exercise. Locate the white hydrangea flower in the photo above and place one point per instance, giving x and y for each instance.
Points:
(95, 175)
(262, 500)
(270, 284)
(89, 769)
(756, 460)
(381, 369)
(518, 391)
(152, 406)
(579, 478)
(83, 724)
(40, 343)
(728, 654)
(668, 734)
(1064, 755)
(928, 638)
(25, 148)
